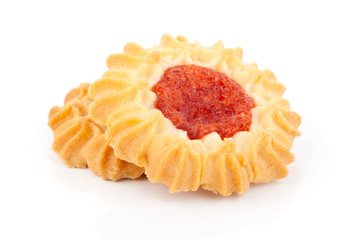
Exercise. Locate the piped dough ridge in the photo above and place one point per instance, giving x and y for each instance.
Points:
(81, 143)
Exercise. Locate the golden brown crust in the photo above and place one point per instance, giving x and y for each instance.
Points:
(81, 143)
(140, 134)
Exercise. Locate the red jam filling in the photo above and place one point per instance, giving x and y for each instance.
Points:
(201, 100)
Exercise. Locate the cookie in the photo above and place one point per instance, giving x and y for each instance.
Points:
(195, 116)
(81, 143)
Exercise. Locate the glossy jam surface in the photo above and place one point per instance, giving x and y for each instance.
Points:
(201, 100)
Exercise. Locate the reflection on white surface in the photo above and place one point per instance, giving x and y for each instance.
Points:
(138, 207)
(134, 208)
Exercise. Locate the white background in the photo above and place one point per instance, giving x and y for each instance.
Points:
(48, 48)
